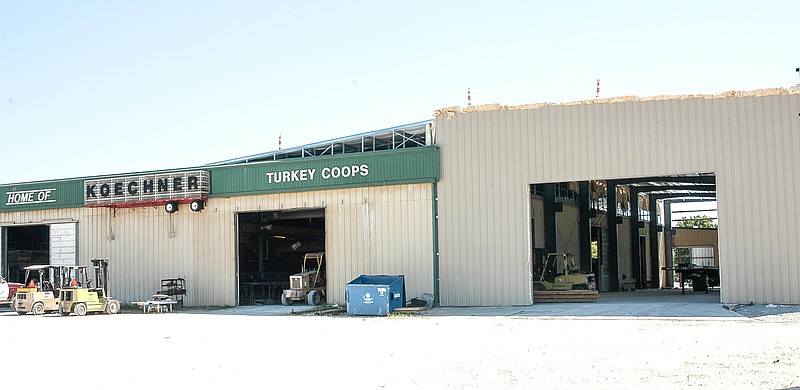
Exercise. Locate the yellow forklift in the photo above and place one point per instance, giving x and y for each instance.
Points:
(560, 273)
(308, 284)
(81, 298)
(40, 294)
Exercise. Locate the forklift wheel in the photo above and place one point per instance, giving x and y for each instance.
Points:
(112, 307)
(314, 298)
(286, 301)
(38, 309)
(80, 309)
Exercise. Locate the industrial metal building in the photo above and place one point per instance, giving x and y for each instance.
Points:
(366, 201)
(461, 205)
(491, 156)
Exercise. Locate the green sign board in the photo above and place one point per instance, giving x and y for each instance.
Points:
(401, 166)
(41, 195)
(413, 165)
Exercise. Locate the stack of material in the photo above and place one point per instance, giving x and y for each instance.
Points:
(565, 296)
(158, 303)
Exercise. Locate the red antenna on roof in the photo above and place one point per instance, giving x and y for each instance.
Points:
(280, 135)
(469, 97)
(598, 89)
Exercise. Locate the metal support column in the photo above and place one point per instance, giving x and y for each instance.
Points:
(655, 270)
(262, 252)
(584, 227)
(636, 261)
(613, 267)
(668, 275)
(551, 207)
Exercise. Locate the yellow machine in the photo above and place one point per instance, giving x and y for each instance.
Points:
(309, 284)
(42, 297)
(560, 273)
(83, 298)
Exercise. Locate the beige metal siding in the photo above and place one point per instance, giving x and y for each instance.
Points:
(537, 214)
(489, 157)
(624, 263)
(484, 212)
(375, 230)
(567, 231)
(698, 237)
(757, 180)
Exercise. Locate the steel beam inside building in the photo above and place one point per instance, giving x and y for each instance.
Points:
(584, 228)
(613, 271)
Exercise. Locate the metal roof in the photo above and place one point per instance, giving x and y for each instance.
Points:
(406, 136)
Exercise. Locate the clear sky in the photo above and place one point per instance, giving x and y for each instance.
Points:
(109, 87)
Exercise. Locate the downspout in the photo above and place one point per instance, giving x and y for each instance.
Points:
(435, 220)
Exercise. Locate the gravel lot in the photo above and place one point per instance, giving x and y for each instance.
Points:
(769, 313)
(194, 349)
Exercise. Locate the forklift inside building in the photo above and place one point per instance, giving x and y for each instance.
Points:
(626, 233)
(271, 247)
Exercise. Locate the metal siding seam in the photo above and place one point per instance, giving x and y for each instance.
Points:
(782, 177)
(509, 252)
(494, 182)
(456, 273)
(769, 157)
(793, 221)
(759, 154)
(461, 235)
(466, 187)
(752, 185)
(506, 158)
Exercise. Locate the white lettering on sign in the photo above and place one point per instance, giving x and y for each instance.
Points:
(290, 176)
(345, 171)
(30, 197)
(367, 299)
(326, 173)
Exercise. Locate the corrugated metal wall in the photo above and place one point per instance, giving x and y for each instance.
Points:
(372, 230)
(488, 158)
(624, 262)
(567, 231)
(698, 237)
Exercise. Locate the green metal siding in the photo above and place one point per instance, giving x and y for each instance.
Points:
(42, 195)
(407, 166)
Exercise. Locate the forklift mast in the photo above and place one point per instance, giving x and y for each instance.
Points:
(101, 274)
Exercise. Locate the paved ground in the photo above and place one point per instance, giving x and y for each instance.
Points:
(643, 304)
(620, 342)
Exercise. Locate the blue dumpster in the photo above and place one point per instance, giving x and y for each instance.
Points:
(375, 295)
